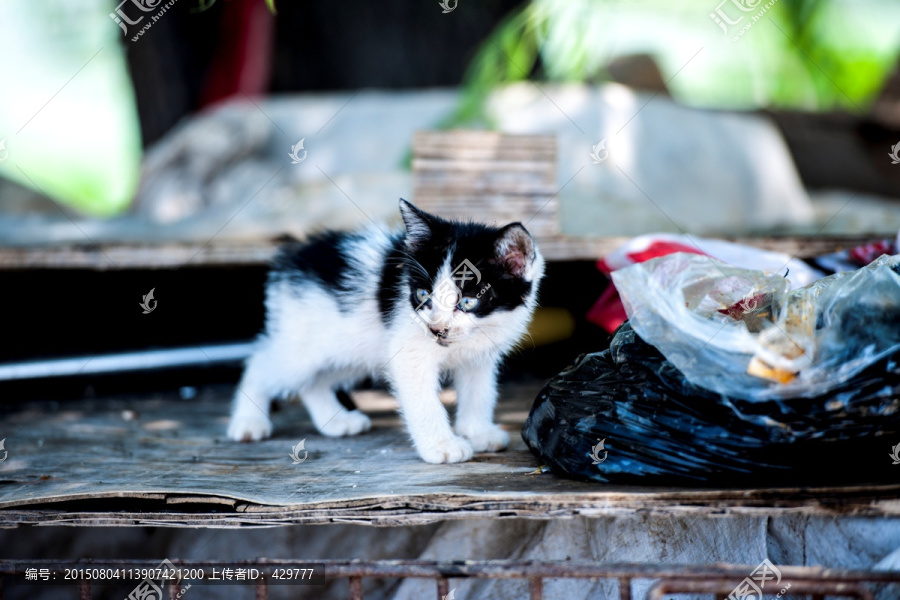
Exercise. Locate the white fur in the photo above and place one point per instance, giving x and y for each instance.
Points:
(310, 348)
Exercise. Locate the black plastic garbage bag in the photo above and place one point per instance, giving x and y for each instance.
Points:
(627, 415)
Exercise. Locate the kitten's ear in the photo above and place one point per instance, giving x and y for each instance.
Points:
(514, 248)
(418, 223)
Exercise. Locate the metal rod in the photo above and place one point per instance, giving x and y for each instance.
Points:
(127, 361)
(495, 569)
(262, 589)
(714, 579)
(817, 588)
(443, 588)
(624, 588)
(536, 587)
(355, 588)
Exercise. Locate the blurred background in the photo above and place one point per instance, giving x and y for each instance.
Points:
(203, 124)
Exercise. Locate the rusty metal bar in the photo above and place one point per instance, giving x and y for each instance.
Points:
(720, 585)
(494, 569)
(262, 589)
(536, 587)
(624, 588)
(355, 588)
(719, 580)
(443, 588)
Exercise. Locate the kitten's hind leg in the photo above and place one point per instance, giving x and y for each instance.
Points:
(328, 414)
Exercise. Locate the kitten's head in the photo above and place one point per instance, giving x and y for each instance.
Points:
(466, 279)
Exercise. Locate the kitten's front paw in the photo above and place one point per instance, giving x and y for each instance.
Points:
(449, 450)
(249, 427)
(346, 423)
(489, 439)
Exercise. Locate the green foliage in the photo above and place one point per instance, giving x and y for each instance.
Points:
(509, 54)
(807, 54)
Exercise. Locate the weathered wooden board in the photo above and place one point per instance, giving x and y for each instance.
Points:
(160, 460)
(171, 256)
(486, 175)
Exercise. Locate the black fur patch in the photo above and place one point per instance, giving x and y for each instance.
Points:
(475, 242)
(320, 258)
(389, 292)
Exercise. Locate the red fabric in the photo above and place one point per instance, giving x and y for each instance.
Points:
(241, 63)
(657, 249)
(865, 254)
(609, 312)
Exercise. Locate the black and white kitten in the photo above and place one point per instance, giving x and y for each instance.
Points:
(441, 297)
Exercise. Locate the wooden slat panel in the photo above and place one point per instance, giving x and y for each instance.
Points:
(498, 177)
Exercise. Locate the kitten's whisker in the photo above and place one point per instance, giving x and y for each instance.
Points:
(409, 262)
(520, 344)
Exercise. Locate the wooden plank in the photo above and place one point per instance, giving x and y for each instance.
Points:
(136, 256)
(169, 256)
(499, 177)
(528, 165)
(471, 143)
(64, 460)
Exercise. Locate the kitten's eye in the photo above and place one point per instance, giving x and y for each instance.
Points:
(467, 303)
(422, 295)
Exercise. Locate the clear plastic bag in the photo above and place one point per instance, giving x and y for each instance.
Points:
(745, 334)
